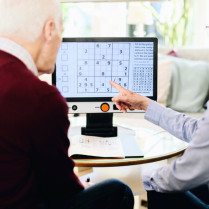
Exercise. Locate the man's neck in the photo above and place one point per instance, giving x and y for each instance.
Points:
(33, 48)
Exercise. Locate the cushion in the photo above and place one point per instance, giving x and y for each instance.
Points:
(173, 53)
(164, 76)
(189, 85)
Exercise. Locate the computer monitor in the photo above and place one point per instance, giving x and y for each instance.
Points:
(84, 67)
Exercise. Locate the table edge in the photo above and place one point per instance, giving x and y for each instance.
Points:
(124, 162)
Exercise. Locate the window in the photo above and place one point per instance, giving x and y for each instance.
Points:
(94, 19)
(165, 20)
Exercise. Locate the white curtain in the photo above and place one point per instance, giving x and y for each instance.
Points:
(201, 20)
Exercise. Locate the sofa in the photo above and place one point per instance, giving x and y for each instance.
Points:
(183, 78)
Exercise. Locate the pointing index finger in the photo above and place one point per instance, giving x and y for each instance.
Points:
(117, 86)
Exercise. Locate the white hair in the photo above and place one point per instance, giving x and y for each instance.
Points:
(24, 19)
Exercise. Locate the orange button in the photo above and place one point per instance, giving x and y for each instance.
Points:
(131, 108)
(105, 107)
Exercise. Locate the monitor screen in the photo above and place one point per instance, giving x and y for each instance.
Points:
(84, 67)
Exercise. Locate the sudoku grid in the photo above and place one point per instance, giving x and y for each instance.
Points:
(98, 63)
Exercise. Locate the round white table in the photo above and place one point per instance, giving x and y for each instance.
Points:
(159, 148)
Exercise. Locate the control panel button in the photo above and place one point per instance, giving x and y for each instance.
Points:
(105, 107)
(131, 108)
(74, 107)
(115, 107)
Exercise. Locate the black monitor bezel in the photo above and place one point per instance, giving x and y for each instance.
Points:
(114, 39)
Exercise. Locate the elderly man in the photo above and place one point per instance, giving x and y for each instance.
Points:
(35, 170)
(168, 187)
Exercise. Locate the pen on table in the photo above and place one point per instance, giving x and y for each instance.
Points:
(88, 179)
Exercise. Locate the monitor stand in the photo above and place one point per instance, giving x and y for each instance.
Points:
(99, 124)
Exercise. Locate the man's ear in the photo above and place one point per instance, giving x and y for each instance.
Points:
(48, 30)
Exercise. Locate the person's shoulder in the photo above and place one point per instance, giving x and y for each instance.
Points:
(43, 89)
(38, 92)
(49, 97)
(29, 84)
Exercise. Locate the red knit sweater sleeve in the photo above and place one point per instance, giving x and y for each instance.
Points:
(49, 142)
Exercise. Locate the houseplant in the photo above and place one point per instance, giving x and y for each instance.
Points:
(174, 22)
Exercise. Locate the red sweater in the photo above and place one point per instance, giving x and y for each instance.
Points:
(34, 162)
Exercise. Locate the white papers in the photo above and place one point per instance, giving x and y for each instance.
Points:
(96, 146)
